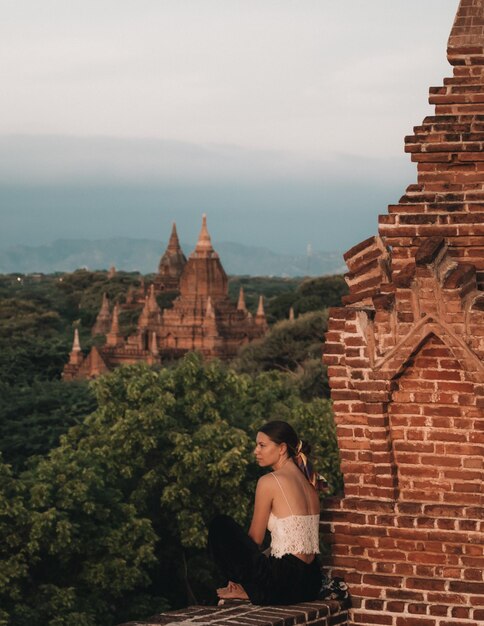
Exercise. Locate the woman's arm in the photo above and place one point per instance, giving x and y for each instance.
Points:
(262, 509)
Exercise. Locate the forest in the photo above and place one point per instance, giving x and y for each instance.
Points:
(106, 487)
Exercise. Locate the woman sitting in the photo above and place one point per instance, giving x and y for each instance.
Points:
(287, 504)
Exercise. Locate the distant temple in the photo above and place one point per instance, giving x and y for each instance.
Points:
(202, 317)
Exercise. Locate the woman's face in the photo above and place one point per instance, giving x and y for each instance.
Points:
(267, 452)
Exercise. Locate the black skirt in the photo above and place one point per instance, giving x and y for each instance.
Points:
(266, 579)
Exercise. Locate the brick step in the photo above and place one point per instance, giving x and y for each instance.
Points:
(441, 136)
(419, 193)
(317, 613)
(433, 217)
(456, 88)
(433, 143)
(456, 207)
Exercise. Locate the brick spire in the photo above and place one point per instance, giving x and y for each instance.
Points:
(204, 246)
(103, 319)
(173, 243)
(144, 317)
(171, 264)
(241, 302)
(203, 275)
(76, 345)
(152, 303)
(114, 337)
(260, 316)
(76, 356)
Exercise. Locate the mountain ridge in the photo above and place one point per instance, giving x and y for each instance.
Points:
(143, 255)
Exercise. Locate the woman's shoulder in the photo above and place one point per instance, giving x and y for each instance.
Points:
(266, 480)
(265, 486)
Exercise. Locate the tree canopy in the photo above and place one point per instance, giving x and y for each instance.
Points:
(106, 488)
(111, 524)
(294, 347)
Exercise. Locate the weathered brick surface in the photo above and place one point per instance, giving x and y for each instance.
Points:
(319, 613)
(405, 365)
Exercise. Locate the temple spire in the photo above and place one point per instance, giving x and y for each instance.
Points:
(76, 344)
(114, 337)
(260, 316)
(291, 314)
(174, 242)
(103, 319)
(105, 305)
(76, 357)
(171, 265)
(241, 302)
(144, 315)
(204, 244)
(152, 303)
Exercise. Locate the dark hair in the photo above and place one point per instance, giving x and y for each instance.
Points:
(282, 432)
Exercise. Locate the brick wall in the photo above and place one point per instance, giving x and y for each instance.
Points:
(322, 613)
(405, 364)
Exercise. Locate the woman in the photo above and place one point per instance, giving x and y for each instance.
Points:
(287, 504)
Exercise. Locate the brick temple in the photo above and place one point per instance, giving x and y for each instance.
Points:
(405, 363)
(202, 317)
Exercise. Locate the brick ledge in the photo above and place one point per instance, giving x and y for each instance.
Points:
(316, 613)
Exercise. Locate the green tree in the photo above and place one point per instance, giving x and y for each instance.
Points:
(313, 294)
(117, 514)
(33, 417)
(294, 347)
(14, 563)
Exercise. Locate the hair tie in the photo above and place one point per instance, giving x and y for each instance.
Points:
(317, 481)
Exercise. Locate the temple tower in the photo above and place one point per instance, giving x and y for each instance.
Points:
(114, 338)
(76, 357)
(103, 321)
(171, 265)
(203, 275)
(405, 364)
(203, 318)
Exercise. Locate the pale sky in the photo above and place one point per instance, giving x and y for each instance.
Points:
(150, 91)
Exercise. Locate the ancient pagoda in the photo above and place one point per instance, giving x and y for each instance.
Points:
(202, 317)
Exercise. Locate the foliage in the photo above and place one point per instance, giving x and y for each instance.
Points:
(271, 288)
(294, 347)
(114, 519)
(104, 519)
(33, 417)
(13, 539)
(311, 295)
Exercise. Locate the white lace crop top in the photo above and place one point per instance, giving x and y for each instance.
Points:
(294, 534)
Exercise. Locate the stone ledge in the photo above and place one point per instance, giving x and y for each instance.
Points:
(317, 613)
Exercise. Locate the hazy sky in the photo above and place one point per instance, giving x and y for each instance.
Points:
(219, 95)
